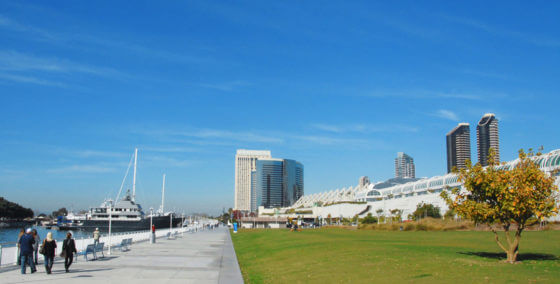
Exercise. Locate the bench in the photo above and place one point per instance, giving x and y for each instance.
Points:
(89, 249)
(125, 244)
(99, 248)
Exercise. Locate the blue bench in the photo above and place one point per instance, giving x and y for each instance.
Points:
(99, 248)
(89, 249)
(125, 244)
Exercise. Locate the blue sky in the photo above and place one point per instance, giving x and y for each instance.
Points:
(340, 86)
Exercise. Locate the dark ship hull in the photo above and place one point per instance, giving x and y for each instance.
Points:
(160, 222)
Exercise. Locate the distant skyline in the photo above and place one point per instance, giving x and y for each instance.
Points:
(341, 87)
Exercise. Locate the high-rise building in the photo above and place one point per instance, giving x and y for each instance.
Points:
(269, 183)
(458, 146)
(279, 182)
(363, 182)
(404, 166)
(292, 189)
(487, 137)
(245, 165)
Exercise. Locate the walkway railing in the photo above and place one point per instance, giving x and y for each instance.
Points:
(8, 255)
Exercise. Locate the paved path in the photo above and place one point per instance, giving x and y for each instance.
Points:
(202, 257)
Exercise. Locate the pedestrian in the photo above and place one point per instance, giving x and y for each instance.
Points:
(21, 233)
(96, 236)
(68, 250)
(36, 246)
(49, 250)
(26, 250)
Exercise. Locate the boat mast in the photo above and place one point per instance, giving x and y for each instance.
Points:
(134, 178)
(162, 194)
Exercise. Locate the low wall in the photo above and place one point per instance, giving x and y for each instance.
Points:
(9, 254)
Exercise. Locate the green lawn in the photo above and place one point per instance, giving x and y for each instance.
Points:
(368, 256)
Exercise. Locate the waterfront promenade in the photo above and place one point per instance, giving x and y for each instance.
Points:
(202, 257)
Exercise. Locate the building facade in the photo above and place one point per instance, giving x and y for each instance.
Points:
(458, 146)
(487, 137)
(245, 165)
(292, 189)
(364, 181)
(269, 180)
(351, 201)
(279, 182)
(404, 166)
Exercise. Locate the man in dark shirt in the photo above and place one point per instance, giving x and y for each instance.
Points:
(26, 247)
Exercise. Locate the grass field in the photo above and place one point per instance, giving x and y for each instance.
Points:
(366, 256)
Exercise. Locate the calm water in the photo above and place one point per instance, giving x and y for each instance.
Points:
(8, 237)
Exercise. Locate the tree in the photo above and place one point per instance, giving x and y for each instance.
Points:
(500, 197)
(396, 214)
(369, 219)
(60, 212)
(379, 211)
(13, 210)
(426, 210)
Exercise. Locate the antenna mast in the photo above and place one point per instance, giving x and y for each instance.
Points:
(162, 194)
(134, 178)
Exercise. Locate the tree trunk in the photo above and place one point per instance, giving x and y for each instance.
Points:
(513, 250)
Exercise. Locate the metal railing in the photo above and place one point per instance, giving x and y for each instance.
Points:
(8, 255)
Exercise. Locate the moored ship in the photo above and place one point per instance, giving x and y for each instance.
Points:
(126, 214)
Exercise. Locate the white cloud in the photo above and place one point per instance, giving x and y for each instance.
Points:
(529, 38)
(95, 153)
(324, 140)
(86, 169)
(364, 128)
(215, 134)
(166, 162)
(30, 80)
(447, 114)
(226, 86)
(19, 62)
(171, 149)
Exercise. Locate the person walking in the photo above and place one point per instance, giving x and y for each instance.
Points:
(36, 246)
(49, 250)
(68, 250)
(26, 250)
(95, 242)
(96, 236)
(21, 233)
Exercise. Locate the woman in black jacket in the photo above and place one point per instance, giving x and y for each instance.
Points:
(68, 249)
(49, 250)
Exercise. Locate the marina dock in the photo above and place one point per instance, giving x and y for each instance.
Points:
(205, 256)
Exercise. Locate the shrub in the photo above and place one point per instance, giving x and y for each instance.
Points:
(409, 227)
(421, 227)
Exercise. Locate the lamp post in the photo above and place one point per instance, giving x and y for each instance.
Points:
(110, 218)
(151, 233)
(170, 223)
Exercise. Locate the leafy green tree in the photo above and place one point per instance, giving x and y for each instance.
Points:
(424, 210)
(13, 210)
(60, 212)
(369, 219)
(505, 198)
(396, 214)
(378, 211)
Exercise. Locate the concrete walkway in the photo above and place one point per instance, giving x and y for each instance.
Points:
(202, 257)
